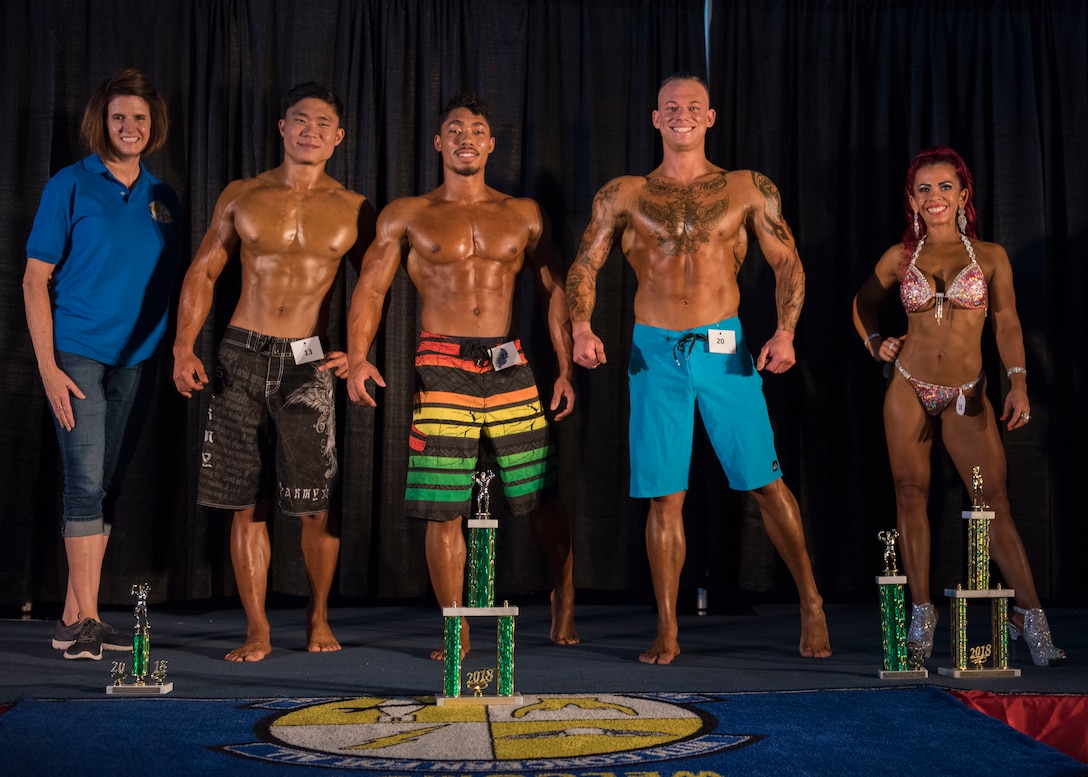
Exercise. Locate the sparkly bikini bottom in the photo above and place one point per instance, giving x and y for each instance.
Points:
(935, 398)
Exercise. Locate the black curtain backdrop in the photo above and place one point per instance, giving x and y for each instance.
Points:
(830, 99)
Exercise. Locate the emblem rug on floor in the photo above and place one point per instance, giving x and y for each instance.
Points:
(894, 731)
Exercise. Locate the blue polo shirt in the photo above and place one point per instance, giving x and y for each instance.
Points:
(117, 256)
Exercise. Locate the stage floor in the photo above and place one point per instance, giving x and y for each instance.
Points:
(386, 651)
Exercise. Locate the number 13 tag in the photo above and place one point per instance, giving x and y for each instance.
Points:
(722, 340)
(307, 350)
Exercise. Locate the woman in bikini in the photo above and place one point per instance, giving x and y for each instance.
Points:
(948, 282)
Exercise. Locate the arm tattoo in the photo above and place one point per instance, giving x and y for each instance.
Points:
(581, 291)
(683, 217)
(606, 195)
(772, 208)
(789, 293)
(789, 275)
(581, 288)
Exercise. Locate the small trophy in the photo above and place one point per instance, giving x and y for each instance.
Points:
(996, 652)
(481, 597)
(141, 655)
(893, 616)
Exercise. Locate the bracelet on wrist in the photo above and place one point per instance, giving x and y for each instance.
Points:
(872, 337)
(1013, 370)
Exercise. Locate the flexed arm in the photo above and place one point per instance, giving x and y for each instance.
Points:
(780, 250)
(596, 245)
(866, 306)
(544, 259)
(376, 275)
(197, 290)
(337, 361)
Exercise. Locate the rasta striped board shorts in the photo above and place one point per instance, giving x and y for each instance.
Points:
(461, 402)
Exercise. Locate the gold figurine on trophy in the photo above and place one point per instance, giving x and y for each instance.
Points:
(891, 562)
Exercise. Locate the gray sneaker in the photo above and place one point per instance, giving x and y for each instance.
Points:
(88, 641)
(63, 636)
(112, 639)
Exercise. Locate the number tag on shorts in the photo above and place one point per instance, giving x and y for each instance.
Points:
(722, 340)
(307, 350)
(505, 355)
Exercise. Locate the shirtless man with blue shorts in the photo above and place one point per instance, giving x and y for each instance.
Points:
(684, 229)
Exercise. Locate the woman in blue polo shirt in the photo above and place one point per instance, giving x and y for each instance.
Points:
(101, 262)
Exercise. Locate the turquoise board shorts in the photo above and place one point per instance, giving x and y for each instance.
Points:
(671, 372)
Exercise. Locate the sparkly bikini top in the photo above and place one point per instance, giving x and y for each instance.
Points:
(967, 290)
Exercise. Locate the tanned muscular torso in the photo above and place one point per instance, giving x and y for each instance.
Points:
(291, 244)
(465, 262)
(687, 242)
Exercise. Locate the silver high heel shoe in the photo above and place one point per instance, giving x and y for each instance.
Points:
(1036, 633)
(923, 622)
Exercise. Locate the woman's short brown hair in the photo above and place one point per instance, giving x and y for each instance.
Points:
(126, 82)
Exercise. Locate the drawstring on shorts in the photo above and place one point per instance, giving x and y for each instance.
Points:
(686, 344)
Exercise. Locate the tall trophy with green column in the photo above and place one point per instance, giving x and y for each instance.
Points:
(893, 619)
(485, 685)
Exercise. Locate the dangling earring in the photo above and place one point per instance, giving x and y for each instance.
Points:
(917, 231)
(961, 220)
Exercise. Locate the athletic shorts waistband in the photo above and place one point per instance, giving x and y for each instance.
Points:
(255, 341)
(733, 322)
(474, 350)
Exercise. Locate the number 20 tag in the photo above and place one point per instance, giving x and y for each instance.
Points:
(722, 340)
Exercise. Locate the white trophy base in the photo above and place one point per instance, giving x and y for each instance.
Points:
(891, 579)
(469, 701)
(948, 671)
(154, 689)
(903, 674)
(479, 612)
(980, 593)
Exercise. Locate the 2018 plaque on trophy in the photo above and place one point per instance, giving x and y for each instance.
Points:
(481, 598)
(141, 657)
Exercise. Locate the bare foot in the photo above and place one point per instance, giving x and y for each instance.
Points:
(255, 648)
(319, 638)
(814, 640)
(440, 654)
(564, 632)
(663, 651)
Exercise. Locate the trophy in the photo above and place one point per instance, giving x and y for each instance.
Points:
(481, 601)
(987, 659)
(141, 657)
(481, 583)
(893, 616)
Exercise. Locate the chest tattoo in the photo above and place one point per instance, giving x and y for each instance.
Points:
(683, 217)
